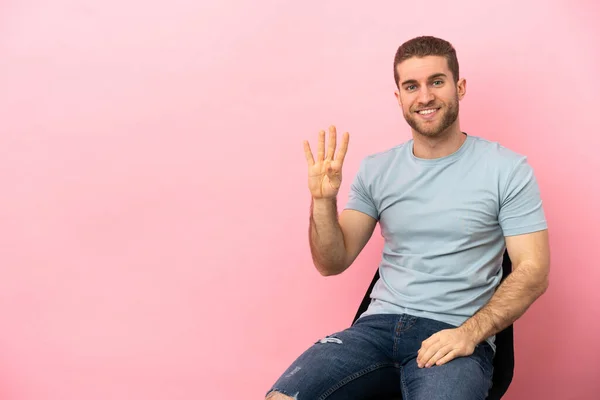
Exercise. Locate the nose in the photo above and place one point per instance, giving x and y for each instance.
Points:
(425, 95)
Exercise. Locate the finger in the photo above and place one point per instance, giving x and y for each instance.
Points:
(308, 154)
(438, 355)
(332, 140)
(321, 149)
(431, 339)
(343, 148)
(447, 358)
(426, 344)
(427, 353)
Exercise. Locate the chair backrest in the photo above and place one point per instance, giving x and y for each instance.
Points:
(504, 360)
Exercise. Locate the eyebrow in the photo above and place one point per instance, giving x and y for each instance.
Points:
(413, 81)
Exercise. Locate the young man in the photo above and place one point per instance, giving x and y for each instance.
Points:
(448, 205)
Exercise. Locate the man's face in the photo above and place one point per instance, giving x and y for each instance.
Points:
(428, 95)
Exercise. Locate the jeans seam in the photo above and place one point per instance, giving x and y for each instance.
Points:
(403, 383)
(354, 376)
(408, 321)
(398, 330)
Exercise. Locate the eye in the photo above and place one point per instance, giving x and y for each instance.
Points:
(410, 88)
(438, 82)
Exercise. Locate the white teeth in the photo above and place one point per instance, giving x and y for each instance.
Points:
(426, 111)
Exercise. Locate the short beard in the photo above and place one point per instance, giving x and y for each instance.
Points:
(450, 116)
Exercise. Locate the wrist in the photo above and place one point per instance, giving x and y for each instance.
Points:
(324, 201)
(470, 329)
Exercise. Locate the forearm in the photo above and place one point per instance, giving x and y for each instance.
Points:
(326, 237)
(512, 298)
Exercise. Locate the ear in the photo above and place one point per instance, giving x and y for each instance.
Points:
(461, 87)
(398, 98)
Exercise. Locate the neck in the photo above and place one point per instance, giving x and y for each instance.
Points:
(439, 146)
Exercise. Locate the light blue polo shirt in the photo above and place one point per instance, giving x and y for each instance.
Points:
(444, 221)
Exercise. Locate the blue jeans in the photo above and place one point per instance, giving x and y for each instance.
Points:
(377, 357)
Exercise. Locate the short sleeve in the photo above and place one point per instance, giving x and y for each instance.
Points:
(521, 208)
(360, 198)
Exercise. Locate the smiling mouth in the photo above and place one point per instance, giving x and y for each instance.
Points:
(427, 111)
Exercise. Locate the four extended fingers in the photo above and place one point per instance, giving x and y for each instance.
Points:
(331, 148)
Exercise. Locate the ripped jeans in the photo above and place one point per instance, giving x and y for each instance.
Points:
(376, 358)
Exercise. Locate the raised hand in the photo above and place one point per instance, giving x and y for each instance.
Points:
(325, 173)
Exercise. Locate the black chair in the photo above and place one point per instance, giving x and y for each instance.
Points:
(504, 360)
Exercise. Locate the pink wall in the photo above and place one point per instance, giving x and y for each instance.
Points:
(154, 206)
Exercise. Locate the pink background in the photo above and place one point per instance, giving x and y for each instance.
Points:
(153, 217)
